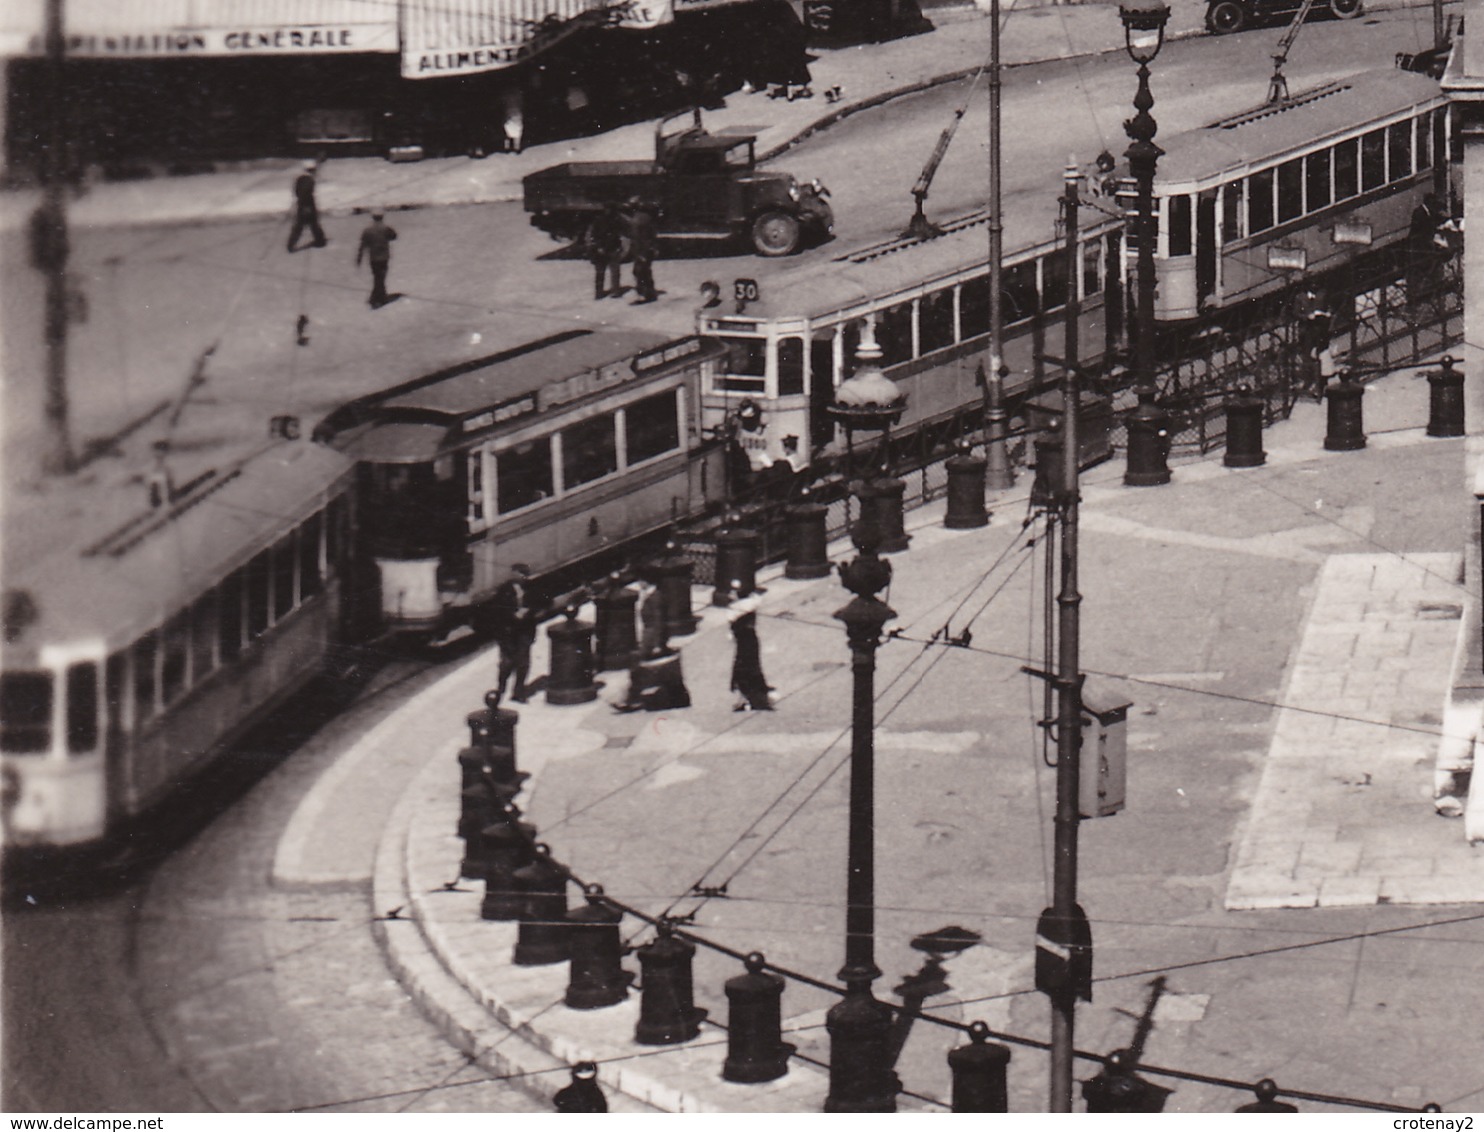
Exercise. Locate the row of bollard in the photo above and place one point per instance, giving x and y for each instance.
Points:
(1344, 419)
(524, 883)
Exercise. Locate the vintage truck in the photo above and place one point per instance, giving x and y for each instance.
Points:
(704, 186)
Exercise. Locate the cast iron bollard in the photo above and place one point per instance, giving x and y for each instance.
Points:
(667, 1007)
(736, 560)
(756, 1050)
(583, 1094)
(808, 547)
(542, 938)
(505, 849)
(1119, 1089)
(881, 503)
(1346, 431)
(965, 491)
(1267, 1093)
(672, 577)
(571, 680)
(1244, 430)
(479, 850)
(979, 1073)
(617, 639)
(502, 720)
(1148, 445)
(597, 977)
(1445, 399)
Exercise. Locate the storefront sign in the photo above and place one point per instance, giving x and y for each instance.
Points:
(296, 40)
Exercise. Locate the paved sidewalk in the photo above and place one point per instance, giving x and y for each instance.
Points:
(1355, 629)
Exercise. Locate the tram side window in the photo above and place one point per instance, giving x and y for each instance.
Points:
(1399, 150)
(850, 340)
(1092, 268)
(475, 470)
(652, 426)
(283, 577)
(894, 334)
(589, 451)
(1180, 240)
(116, 693)
(204, 634)
(935, 321)
(1373, 160)
(82, 707)
(145, 651)
(337, 531)
(1424, 140)
(1316, 180)
(229, 625)
(1260, 206)
(1018, 291)
(747, 366)
(1232, 201)
(1347, 168)
(973, 307)
(175, 646)
(311, 579)
(790, 367)
(1290, 190)
(25, 712)
(259, 576)
(523, 475)
(1054, 281)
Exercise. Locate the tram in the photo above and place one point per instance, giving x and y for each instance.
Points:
(133, 654)
(1302, 187)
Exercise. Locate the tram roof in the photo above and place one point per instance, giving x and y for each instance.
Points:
(114, 579)
(469, 390)
(1266, 135)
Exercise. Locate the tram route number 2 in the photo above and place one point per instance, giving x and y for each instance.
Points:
(744, 291)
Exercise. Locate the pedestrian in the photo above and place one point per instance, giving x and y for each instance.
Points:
(1427, 246)
(748, 681)
(1101, 181)
(376, 245)
(654, 639)
(515, 614)
(306, 211)
(643, 245)
(605, 240)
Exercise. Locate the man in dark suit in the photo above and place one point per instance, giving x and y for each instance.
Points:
(515, 614)
(306, 211)
(376, 245)
(644, 242)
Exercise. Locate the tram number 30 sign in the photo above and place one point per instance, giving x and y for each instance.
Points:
(744, 291)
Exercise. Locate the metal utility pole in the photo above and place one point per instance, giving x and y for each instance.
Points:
(998, 474)
(49, 248)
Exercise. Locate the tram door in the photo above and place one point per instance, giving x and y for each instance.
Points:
(821, 387)
(1205, 246)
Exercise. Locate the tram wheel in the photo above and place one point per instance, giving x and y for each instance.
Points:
(1346, 9)
(1227, 16)
(775, 233)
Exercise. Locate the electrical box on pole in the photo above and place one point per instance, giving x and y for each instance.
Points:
(1103, 783)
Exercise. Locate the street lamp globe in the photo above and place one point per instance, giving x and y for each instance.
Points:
(1144, 28)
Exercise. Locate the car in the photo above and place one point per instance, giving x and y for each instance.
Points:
(1226, 16)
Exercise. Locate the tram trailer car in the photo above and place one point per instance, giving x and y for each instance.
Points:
(1327, 177)
(577, 447)
(134, 652)
(928, 302)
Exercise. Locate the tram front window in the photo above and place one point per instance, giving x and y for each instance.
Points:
(407, 512)
(25, 712)
(747, 366)
(790, 367)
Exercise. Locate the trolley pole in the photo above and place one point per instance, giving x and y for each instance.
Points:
(998, 474)
(1068, 681)
(49, 249)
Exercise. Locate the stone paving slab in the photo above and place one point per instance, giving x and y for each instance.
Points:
(1342, 814)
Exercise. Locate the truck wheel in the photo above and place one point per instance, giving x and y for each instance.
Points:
(775, 233)
(1227, 16)
(1346, 9)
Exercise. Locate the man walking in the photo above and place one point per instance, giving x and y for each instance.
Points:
(306, 211)
(376, 245)
(644, 245)
(514, 611)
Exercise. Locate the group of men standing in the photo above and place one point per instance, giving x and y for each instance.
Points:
(618, 233)
(376, 240)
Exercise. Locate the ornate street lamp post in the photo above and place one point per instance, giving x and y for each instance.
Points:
(1148, 426)
(860, 1026)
